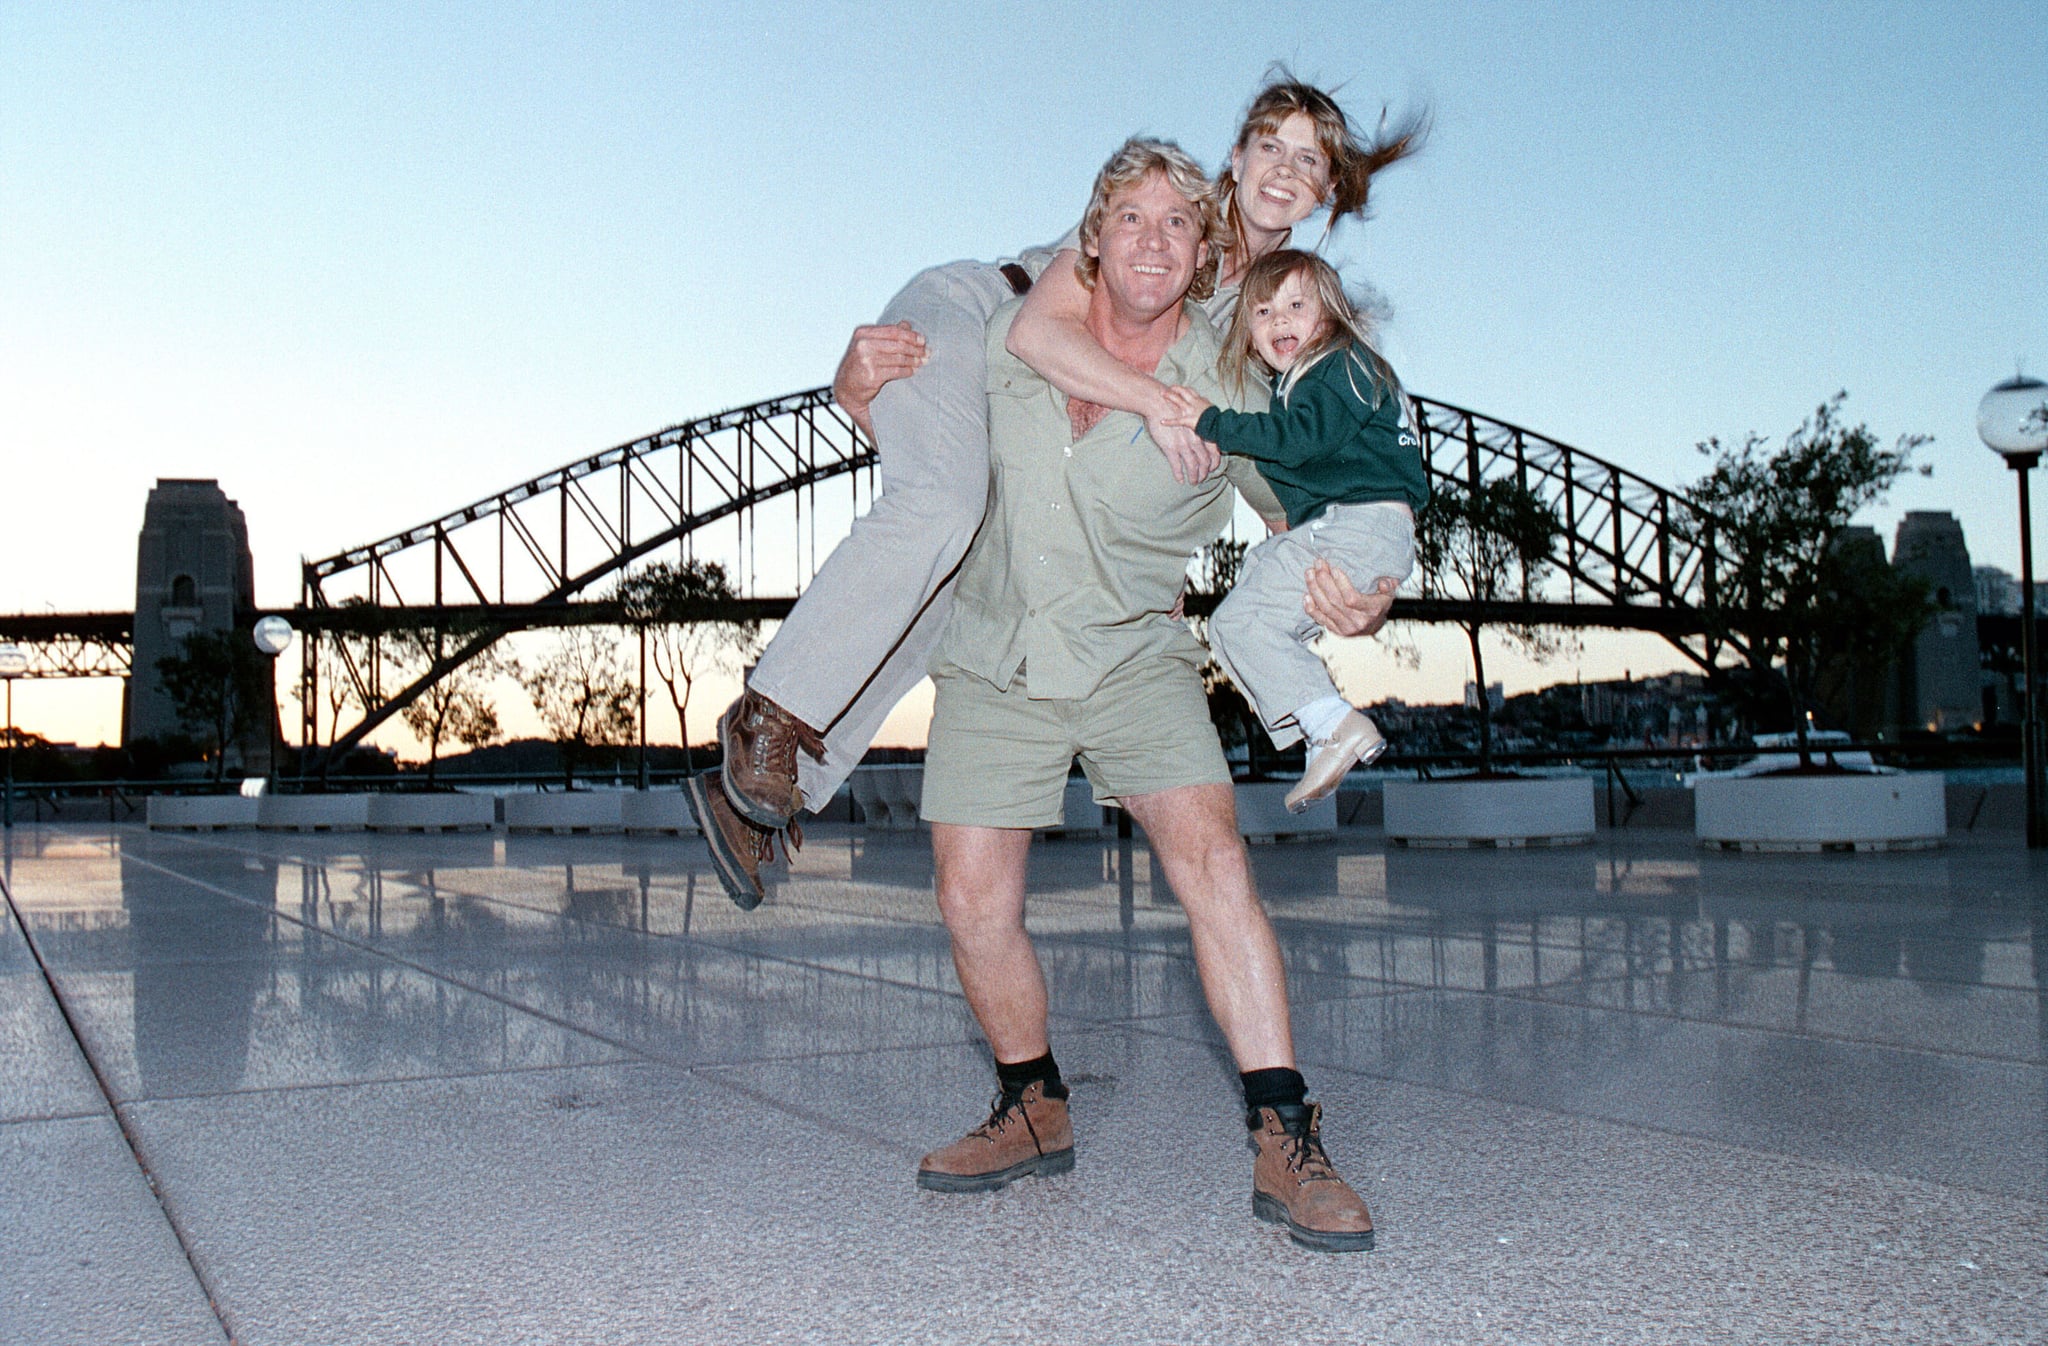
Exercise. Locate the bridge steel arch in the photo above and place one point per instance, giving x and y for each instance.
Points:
(1635, 554)
(519, 558)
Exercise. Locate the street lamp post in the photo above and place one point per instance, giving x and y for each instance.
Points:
(13, 663)
(273, 636)
(2013, 420)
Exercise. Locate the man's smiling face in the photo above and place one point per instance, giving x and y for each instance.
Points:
(1149, 248)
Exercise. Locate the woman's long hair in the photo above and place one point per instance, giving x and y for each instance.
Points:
(1353, 161)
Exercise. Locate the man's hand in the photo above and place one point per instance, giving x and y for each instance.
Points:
(1335, 604)
(876, 355)
(1172, 423)
(1191, 457)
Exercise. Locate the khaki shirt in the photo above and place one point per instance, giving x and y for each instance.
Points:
(1086, 542)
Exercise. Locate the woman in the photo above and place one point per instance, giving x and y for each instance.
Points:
(859, 639)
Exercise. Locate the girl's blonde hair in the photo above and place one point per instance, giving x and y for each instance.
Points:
(1353, 161)
(1345, 330)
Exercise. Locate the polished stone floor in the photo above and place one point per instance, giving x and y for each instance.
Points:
(313, 1089)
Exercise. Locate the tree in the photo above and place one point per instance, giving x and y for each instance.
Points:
(221, 688)
(1796, 596)
(1485, 544)
(582, 695)
(670, 604)
(340, 658)
(456, 707)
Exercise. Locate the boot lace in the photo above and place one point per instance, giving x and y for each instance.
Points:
(761, 840)
(1001, 1109)
(1305, 1156)
(778, 735)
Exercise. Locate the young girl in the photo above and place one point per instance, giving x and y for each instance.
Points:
(1337, 450)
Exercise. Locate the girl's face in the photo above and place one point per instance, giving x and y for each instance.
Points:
(1282, 176)
(1291, 319)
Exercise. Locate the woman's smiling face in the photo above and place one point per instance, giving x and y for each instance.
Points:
(1282, 175)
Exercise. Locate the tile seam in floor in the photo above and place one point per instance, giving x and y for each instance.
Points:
(1650, 1128)
(1802, 1035)
(315, 1086)
(123, 1125)
(51, 1117)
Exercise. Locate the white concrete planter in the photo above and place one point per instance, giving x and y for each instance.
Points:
(888, 794)
(1262, 814)
(201, 813)
(581, 811)
(432, 812)
(1540, 811)
(1822, 813)
(664, 811)
(313, 813)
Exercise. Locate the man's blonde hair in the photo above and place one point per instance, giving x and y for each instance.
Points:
(1136, 159)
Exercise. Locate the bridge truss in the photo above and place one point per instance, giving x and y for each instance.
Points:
(523, 557)
(72, 644)
(545, 552)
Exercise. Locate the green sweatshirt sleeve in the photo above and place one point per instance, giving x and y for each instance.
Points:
(1322, 411)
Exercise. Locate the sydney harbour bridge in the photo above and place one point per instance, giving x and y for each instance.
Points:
(770, 488)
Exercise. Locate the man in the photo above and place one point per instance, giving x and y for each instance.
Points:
(863, 632)
(1062, 645)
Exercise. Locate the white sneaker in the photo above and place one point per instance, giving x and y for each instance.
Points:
(1356, 741)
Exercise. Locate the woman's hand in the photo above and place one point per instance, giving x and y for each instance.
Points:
(875, 356)
(1335, 604)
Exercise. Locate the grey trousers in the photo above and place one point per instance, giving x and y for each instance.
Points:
(859, 638)
(1259, 634)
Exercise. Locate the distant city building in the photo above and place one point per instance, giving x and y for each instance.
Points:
(192, 573)
(1998, 594)
(1940, 680)
(1496, 695)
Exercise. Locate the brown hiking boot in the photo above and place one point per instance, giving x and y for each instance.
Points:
(1294, 1185)
(738, 848)
(760, 740)
(1025, 1133)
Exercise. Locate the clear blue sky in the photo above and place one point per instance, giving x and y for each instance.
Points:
(367, 262)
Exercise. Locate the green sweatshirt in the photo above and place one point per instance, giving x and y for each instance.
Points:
(1329, 443)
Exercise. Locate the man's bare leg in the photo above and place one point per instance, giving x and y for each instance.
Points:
(1028, 1132)
(1193, 832)
(980, 872)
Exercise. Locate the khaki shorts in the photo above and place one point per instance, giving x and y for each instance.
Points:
(1000, 759)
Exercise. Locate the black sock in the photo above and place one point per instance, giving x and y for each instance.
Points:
(1015, 1076)
(1278, 1087)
